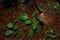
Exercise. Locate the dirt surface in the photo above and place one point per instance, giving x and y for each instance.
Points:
(51, 20)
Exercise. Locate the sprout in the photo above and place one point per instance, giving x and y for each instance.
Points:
(10, 25)
(15, 20)
(27, 22)
(15, 27)
(23, 1)
(35, 23)
(31, 32)
(23, 16)
(51, 33)
(8, 32)
(55, 7)
(34, 14)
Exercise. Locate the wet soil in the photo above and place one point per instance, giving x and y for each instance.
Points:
(51, 20)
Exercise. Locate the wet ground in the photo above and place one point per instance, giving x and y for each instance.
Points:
(51, 19)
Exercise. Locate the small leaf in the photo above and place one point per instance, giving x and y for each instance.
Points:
(51, 34)
(10, 25)
(15, 20)
(35, 23)
(35, 20)
(47, 33)
(27, 22)
(55, 7)
(23, 16)
(34, 14)
(8, 32)
(23, 1)
(15, 27)
(34, 26)
(51, 31)
(31, 32)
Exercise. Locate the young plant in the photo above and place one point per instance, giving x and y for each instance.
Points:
(55, 7)
(34, 27)
(23, 1)
(34, 14)
(31, 32)
(15, 27)
(51, 34)
(23, 16)
(15, 20)
(8, 32)
(9, 25)
(34, 23)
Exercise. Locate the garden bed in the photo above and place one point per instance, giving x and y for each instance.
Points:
(50, 21)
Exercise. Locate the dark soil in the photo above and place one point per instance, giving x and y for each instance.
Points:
(51, 20)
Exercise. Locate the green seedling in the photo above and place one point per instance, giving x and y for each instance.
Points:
(23, 1)
(23, 16)
(31, 32)
(8, 32)
(34, 13)
(9, 25)
(15, 21)
(55, 7)
(34, 26)
(27, 22)
(35, 23)
(51, 34)
(15, 27)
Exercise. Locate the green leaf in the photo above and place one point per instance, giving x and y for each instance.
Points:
(23, 1)
(35, 21)
(51, 33)
(31, 32)
(1, 1)
(27, 22)
(53, 36)
(10, 25)
(23, 16)
(47, 33)
(55, 7)
(34, 13)
(15, 20)
(15, 27)
(34, 26)
(8, 32)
